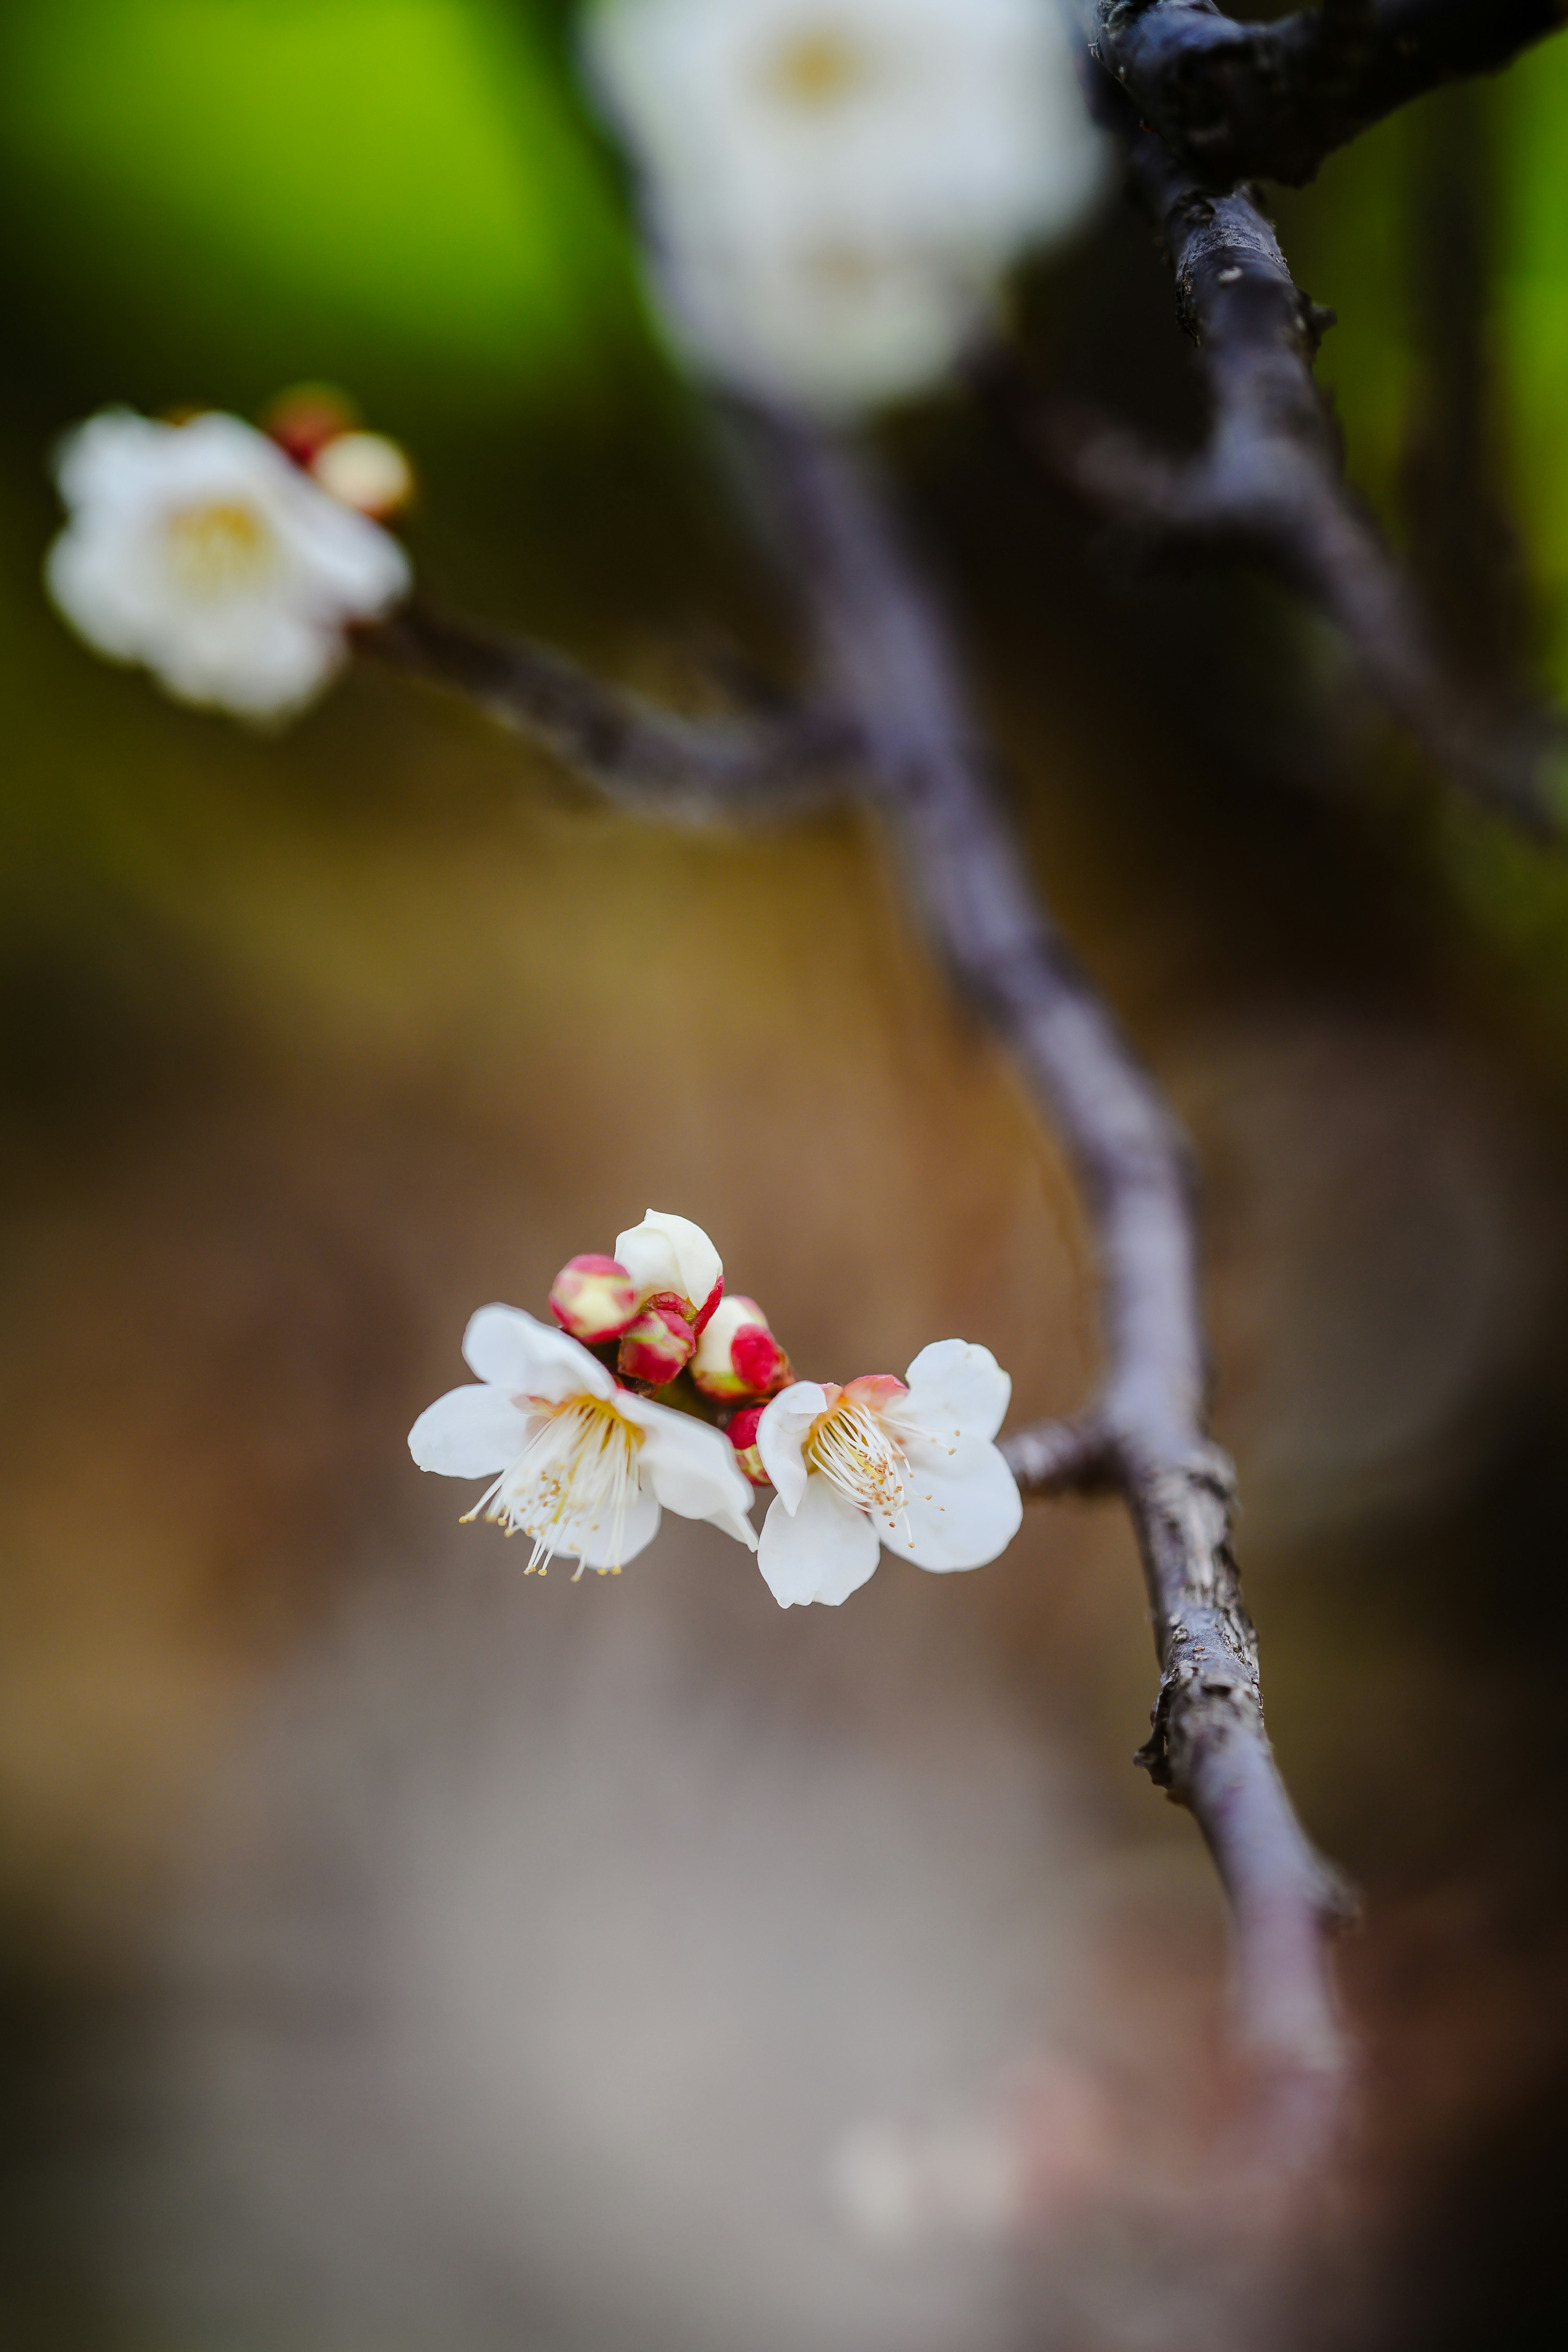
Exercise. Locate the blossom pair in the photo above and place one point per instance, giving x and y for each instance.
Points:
(582, 1459)
(833, 189)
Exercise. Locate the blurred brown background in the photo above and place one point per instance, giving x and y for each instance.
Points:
(397, 1952)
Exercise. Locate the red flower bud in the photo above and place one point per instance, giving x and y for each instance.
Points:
(742, 1436)
(658, 1344)
(737, 1355)
(594, 1298)
(304, 419)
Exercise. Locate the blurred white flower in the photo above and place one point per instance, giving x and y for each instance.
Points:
(577, 1463)
(879, 1462)
(201, 552)
(834, 188)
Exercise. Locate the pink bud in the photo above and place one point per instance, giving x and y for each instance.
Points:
(304, 419)
(742, 1436)
(594, 1298)
(737, 1355)
(365, 470)
(658, 1344)
(759, 1360)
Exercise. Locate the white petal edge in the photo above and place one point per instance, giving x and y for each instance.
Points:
(823, 1552)
(965, 1509)
(782, 1433)
(470, 1432)
(511, 1351)
(692, 1469)
(957, 1385)
(597, 1547)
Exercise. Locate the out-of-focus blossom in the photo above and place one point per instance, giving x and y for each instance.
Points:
(200, 551)
(833, 189)
(909, 1463)
(737, 1356)
(577, 1463)
(669, 1256)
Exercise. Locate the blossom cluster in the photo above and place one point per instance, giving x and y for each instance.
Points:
(229, 562)
(652, 1389)
(833, 190)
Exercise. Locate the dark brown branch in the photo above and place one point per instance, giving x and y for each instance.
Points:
(884, 651)
(638, 754)
(1269, 479)
(1239, 102)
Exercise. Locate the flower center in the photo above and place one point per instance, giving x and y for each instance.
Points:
(818, 69)
(855, 1449)
(576, 1477)
(219, 547)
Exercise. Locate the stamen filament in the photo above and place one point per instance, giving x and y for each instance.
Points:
(577, 1469)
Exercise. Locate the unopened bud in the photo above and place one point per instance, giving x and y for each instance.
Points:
(737, 1355)
(365, 470)
(658, 1344)
(666, 1255)
(594, 1298)
(305, 419)
(742, 1436)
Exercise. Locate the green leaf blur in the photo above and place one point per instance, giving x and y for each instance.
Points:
(246, 190)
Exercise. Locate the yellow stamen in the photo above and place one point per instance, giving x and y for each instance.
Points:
(219, 547)
(818, 69)
(860, 1455)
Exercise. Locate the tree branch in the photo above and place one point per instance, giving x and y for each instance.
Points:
(1238, 101)
(640, 756)
(1270, 478)
(885, 654)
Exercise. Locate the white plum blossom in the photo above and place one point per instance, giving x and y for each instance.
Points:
(578, 1463)
(833, 189)
(908, 1463)
(201, 552)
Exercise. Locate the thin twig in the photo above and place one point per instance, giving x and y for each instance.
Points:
(885, 654)
(1239, 102)
(639, 755)
(1270, 478)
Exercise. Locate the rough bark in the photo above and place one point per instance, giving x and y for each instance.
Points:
(1269, 479)
(638, 754)
(1239, 102)
(885, 651)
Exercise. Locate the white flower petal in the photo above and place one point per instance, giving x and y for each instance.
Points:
(669, 1253)
(470, 1432)
(823, 1552)
(782, 1433)
(955, 1385)
(600, 1545)
(514, 1352)
(692, 1469)
(961, 1509)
